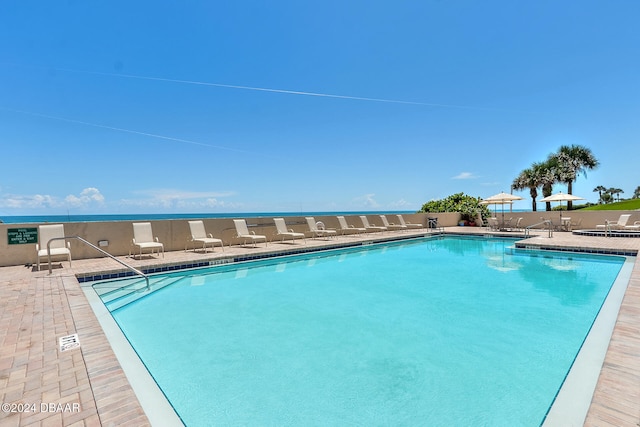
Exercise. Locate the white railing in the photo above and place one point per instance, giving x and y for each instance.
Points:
(545, 222)
(135, 270)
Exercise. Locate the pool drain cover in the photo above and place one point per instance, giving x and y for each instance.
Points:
(69, 342)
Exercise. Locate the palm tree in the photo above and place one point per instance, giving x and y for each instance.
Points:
(530, 178)
(548, 177)
(572, 160)
(615, 192)
(600, 189)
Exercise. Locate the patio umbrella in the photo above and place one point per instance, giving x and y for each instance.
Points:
(561, 197)
(496, 203)
(501, 199)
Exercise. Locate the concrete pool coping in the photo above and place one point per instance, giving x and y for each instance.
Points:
(572, 402)
(22, 349)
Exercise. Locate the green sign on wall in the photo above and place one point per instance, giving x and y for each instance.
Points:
(21, 236)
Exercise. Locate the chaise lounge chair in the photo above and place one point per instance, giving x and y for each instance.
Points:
(635, 226)
(371, 227)
(620, 225)
(391, 226)
(346, 228)
(58, 248)
(408, 224)
(317, 228)
(283, 232)
(243, 233)
(143, 239)
(493, 224)
(199, 235)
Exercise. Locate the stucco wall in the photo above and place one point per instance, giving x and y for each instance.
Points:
(174, 234)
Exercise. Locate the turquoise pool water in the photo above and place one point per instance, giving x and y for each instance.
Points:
(446, 331)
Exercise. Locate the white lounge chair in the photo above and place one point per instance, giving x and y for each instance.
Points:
(58, 248)
(371, 227)
(346, 228)
(391, 226)
(408, 224)
(283, 232)
(576, 224)
(493, 224)
(199, 235)
(318, 229)
(242, 232)
(611, 225)
(518, 224)
(635, 226)
(143, 239)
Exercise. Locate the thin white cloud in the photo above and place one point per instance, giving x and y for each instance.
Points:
(132, 131)
(168, 193)
(172, 198)
(87, 197)
(34, 201)
(278, 90)
(465, 175)
(366, 201)
(400, 204)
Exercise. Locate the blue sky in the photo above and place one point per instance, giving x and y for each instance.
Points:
(154, 107)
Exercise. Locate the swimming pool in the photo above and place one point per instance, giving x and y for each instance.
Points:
(441, 331)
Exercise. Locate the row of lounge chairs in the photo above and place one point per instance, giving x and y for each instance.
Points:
(566, 224)
(144, 240)
(621, 224)
(317, 229)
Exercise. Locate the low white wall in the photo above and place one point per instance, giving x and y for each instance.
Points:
(175, 233)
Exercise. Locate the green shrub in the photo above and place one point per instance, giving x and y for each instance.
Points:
(468, 206)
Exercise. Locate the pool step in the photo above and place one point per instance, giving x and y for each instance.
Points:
(114, 299)
(106, 289)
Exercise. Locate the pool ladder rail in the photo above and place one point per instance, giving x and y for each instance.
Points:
(133, 269)
(547, 222)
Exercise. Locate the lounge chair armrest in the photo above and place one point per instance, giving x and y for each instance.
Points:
(157, 241)
(133, 241)
(210, 235)
(69, 245)
(636, 223)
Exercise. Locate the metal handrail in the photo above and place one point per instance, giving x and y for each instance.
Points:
(135, 270)
(546, 221)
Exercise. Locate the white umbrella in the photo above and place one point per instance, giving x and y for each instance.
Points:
(561, 197)
(501, 199)
(489, 202)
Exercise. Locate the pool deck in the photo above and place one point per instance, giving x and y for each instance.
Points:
(40, 385)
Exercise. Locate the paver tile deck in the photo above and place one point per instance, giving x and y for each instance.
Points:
(86, 386)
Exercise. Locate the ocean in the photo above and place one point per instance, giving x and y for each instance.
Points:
(29, 219)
